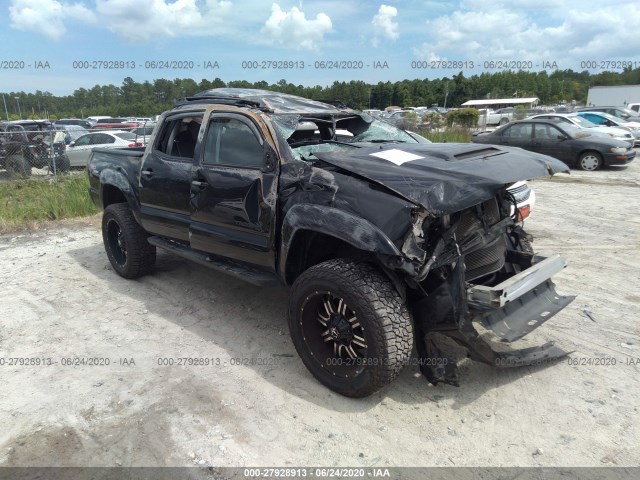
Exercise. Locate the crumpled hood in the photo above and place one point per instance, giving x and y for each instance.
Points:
(444, 177)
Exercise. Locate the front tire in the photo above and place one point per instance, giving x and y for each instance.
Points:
(590, 161)
(125, 242)
(350, 326)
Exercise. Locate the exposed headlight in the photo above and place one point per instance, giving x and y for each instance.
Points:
(619, 150)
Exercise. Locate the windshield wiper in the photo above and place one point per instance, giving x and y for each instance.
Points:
(386, 141)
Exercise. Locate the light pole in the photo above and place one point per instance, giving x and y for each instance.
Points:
(19, 111)
(446, 94)
(5, 107)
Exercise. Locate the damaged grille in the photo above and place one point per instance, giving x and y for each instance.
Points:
(490, 258)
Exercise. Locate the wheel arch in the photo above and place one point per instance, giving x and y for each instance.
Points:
(312, 234)
(115, 188)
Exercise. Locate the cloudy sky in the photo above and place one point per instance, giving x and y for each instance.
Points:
(58, 45)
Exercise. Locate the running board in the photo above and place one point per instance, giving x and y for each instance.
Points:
(238, 270)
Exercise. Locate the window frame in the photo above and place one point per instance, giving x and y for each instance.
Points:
(244, 120)
(173, 134)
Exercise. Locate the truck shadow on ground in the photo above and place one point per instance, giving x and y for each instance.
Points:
(249, 322)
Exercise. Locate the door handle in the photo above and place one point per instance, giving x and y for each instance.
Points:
(147, 173)
(199, 184)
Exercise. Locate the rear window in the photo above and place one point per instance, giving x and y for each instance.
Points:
(125, 136)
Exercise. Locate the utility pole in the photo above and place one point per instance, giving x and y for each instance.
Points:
(446, 94)
(19, 111)
(6, 112)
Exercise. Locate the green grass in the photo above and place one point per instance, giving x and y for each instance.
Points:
(23, 202)
(449, 135)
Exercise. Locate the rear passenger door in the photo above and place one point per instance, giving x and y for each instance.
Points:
(165, 177)
(518, 135)
(234, 192)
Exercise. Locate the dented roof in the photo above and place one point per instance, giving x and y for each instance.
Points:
(274, 101)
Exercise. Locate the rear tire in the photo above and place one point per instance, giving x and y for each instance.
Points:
(125, 242)
(504, 121)
(350, 326)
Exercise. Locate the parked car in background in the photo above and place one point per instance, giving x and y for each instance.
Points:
(373, 112)
(143, 133)
(400, 120)
(71, 132)
(501, 116)
(601, 118)
(94, 118)
(620, 112)
(27, 144)
(581, 122)
(74, 121)
(568, 143)
(115, 123)
(79, 151)
(140, 120)
(535, 111)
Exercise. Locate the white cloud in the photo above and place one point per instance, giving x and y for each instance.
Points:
(46, 16)
(292, 29)
(383, 24)
(147, 19)
(514, 31)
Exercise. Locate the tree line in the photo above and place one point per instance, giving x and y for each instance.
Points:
(149, 98)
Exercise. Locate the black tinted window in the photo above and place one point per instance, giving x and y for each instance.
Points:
(179, 136)
(231, 142)
(101, 139)
(520, 130)
(84, 140)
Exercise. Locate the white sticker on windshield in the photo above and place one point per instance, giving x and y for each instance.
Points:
(396, 156)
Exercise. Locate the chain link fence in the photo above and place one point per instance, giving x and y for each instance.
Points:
(41, 148)
(32, 147)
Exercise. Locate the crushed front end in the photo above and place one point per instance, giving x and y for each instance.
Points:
(480, 273)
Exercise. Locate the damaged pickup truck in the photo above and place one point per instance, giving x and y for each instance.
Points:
(385, 242)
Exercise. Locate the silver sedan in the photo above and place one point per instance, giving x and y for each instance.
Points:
(79, 150)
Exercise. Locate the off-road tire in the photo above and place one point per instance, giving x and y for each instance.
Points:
(386, 325)
(590, 161)
(125, 242)
(18, 166)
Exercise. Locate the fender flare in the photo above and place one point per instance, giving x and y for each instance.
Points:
(356, 231)
(118, 179)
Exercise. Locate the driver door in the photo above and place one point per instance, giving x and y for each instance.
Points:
(234, 192)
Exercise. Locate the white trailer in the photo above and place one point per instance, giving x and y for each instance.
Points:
(617, 95)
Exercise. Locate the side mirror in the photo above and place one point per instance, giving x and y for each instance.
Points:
(72, 144)
(562, 137)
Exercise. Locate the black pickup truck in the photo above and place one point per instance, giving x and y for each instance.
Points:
(386, 243)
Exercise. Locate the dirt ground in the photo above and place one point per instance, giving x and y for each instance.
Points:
(61, 300)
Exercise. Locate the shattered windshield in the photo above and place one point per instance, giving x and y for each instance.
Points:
(306, 135)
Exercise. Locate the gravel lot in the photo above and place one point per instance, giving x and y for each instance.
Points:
(61, 300)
